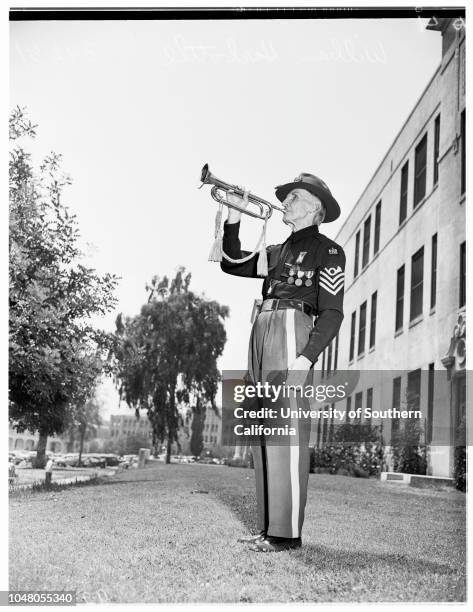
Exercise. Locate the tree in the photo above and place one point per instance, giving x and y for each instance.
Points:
(197, 428)
(88, 420)
(167, 355)
(55, 354)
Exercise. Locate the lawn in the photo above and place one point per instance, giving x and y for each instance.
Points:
(168, 534)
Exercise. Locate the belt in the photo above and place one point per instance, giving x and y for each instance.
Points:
(284, 304)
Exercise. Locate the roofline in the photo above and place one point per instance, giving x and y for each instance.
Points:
(437, 70)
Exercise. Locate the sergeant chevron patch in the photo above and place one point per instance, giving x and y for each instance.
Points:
(331, 279)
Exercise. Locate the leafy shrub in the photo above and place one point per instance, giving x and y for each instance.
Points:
(409, 455)
(357, 450)
(459, 468)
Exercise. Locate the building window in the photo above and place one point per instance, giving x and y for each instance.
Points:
(413, 390)
(347, 416)
(357, 253)
(369, 398)
(420, 170)
(359, 401)
(417, 283)
(396, 403)
(400, 298)
(377, 227)
(404, 187)
(323, 363)
(335, 357)
(366, 242)
(430, 405)
(332, 425)
(352, 335)
(362, 329)
(436, 148)
(462, 296)
(374, 301)
(433, 272)
(463, 151)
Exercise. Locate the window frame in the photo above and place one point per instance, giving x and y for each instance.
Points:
(436, 148)
(404, 193)
(365, 256)
(362, 329)
(377, 227)
(357, 255)
(433, 271)
(420, 171)
(374, 306)
(399, 312)
(417, 289)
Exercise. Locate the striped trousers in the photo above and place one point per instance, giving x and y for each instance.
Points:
(281, 472)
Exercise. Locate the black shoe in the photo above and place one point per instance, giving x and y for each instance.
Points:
(254, 538)
(274, 544)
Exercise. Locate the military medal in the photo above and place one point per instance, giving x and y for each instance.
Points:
(292, 273)
(300, 275)
(309, 275)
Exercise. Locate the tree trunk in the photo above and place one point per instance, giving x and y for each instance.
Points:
(40, 460)
(197, 427)
(70, 443)
(81, 447)
(168, 451)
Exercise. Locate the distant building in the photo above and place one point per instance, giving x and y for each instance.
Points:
(405, 278)
(55, 444)
(212, 433)
(123, 425)
(29, 441)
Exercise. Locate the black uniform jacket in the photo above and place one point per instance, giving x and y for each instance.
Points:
(306, 254)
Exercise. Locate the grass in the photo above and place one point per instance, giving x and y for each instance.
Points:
(153, 535)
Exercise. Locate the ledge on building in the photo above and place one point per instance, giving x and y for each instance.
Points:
(432, 311)
(371, 349)
(398, 332)
(360, 356)
(417, 480)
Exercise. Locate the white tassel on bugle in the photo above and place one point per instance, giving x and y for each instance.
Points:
(262, 265)
(217, 252)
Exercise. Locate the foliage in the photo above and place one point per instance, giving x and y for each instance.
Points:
(356, 449)
(409, 454)
(167, 355)
(55, 355)
(460, 469)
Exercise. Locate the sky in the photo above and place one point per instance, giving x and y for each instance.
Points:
(137, 107)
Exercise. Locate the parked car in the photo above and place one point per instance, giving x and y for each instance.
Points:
(206, 460)
(59, 460)
(72, 459)
(110, 459)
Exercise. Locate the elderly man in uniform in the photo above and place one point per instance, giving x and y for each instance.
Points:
(305, 279)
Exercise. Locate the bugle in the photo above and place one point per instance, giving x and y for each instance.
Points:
(265, 208)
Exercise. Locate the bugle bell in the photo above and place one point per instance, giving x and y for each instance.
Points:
(265, 207)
